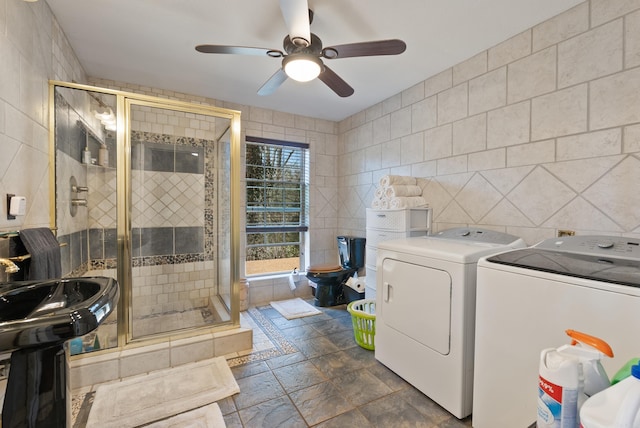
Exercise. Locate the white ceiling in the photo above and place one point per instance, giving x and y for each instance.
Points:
(151, 43)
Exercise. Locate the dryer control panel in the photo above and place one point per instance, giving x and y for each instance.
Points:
(595, 245)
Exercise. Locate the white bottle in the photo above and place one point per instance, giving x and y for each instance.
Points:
(103, 156)
(616, 407)
(559, 389)
(86, 156)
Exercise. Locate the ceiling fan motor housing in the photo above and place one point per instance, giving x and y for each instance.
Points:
(315, 48)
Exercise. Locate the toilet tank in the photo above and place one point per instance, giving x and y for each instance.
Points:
(351, 250)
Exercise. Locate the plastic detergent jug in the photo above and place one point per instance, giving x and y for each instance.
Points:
(566, 374)
(625, 371)
(616, 407)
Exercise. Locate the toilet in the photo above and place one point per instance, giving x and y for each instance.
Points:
(328, 278)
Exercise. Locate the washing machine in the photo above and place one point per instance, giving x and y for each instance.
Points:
(527, 298)
(425, 310)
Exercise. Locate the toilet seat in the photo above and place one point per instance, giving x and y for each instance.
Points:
(326, 268)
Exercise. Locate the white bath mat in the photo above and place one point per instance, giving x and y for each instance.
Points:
(294, 308)
(205, 417)
(158, 395)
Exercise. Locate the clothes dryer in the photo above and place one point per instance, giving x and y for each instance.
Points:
(425, 310)
(527, 298)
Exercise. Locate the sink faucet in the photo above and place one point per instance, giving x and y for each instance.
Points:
(9, 266)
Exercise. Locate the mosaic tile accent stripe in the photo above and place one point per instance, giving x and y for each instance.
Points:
(281, 346)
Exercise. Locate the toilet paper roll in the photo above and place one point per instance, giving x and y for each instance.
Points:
(357, 284)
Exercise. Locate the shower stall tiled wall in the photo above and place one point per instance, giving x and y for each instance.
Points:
(169, 193)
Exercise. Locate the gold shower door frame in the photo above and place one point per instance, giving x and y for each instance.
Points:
(124, 102)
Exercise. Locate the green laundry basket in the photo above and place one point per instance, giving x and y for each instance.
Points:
(363, 316)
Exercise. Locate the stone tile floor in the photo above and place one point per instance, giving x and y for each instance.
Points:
(310, 372)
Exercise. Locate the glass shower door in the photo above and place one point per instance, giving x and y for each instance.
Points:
(85, 150)
(180, 215)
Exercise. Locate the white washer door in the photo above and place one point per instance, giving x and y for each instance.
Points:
(416, 302)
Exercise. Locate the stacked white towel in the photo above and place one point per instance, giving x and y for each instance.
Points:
(395, 191)
(380, 204)
(398, 192)
(402, 202)
(388, 180)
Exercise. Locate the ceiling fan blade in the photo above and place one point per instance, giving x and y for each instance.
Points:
(379, 47)
(239, 50)
(335, 82)
(273, 83)
(296, 18)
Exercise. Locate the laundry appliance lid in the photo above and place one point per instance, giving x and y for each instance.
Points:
(601, 258)
(455, 244)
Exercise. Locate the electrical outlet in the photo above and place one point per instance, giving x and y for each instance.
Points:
(565, 232)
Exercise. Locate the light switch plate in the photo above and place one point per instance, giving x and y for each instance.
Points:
(18, 205)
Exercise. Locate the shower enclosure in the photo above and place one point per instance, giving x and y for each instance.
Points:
(144, 191)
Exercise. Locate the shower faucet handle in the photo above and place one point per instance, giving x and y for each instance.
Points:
(78, 189)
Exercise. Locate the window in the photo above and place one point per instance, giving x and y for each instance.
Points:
(277, 205)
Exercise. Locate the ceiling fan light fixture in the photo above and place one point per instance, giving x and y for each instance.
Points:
(302, 67)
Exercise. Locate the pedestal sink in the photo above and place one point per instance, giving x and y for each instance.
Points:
(36, 319)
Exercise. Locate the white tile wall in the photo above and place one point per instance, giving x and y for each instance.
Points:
(452, 104)
(614, 100)
(172, 288)
(509, 125)
(470, 134)
(561, 27)
(606, 10)
(590, 55)
(24, 104)
(532, 75)
(488, 91)
(470, 68)
(438, 142)
(556, 107)
(510, 50)
(632, 39)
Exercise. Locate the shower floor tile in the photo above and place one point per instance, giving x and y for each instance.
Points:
(168, 322)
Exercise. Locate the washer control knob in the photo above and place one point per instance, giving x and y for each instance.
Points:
(465, 233)
(605, 244)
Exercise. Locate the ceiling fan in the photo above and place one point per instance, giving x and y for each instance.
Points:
(303, 52)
